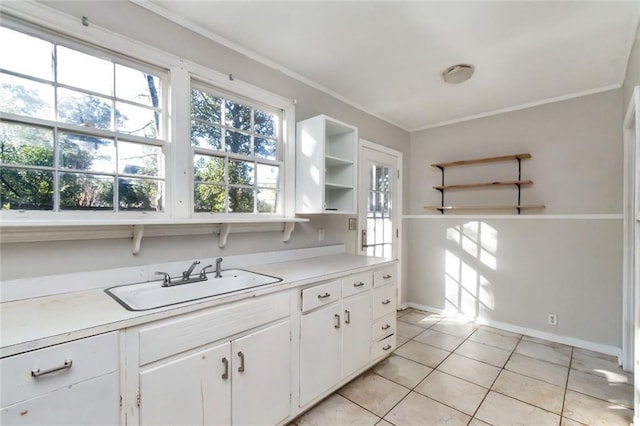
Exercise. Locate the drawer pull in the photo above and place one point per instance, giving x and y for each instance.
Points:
(386, 302)
(386, 276)
(386, 348)
(347, 317)
(323, 296)
(241, 368)
(358, 284)
(225, 375)
(386, 327)
(336, 324)
(36, 372)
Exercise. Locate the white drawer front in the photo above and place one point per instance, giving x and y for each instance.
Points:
(384, 301)
(320, 295)
(383, 347)
(384, 327)
(90, 357)
(95, 402)
(384, 276)
(358, 283)
(166, 338)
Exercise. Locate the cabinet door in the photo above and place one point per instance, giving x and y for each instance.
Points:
(188, 390)
(92, 402)
(356, 334)
(261, 376)
(319, 351)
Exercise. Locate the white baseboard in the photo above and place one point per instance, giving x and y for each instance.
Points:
(565, 340)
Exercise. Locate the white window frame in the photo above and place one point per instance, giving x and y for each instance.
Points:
(58, 127)
(178, 169)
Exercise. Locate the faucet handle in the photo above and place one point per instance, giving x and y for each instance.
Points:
(203, 272)
(166, 279)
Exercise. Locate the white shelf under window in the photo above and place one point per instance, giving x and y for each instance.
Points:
(14, 231)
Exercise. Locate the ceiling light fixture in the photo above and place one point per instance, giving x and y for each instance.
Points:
(456, 74)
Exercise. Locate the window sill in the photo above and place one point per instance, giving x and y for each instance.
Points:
(19, 231)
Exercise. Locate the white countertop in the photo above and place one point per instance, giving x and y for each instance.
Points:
(43, 321)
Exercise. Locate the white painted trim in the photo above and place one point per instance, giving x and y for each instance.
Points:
(605, 216)
(578, 343)
(521, 107)
(26, 288)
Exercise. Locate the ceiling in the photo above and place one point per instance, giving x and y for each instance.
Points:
(387, 57)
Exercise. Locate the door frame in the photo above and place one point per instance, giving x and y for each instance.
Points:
(397, 211)
(631, 246)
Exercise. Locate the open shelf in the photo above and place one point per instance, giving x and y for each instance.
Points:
(500, 207)
(483, 184)
(483, 160)
(331, 161)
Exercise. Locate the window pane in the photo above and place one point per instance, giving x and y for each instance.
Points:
(265, 123)
(137, 86)
(209, 198)
(84, 110)
(25, 97)
(85, 192)
(206, 136)
(137, 120)
(14, 45)
(139, 194)
(84, 71)
(81, 152)
(265, 148)
(268, 176)
(205, 107)
(241, 172)
(237, 115)
(26, 189)
(237, 143)
(240, 200)
(139, 159)
(208, 169)
(267, 201)
(27, 145)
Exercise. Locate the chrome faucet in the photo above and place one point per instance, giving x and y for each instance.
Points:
(218, 267)
(186, 274)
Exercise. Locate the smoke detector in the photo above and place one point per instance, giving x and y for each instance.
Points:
(456, 74)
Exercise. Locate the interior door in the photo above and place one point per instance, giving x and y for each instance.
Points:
(380, 202)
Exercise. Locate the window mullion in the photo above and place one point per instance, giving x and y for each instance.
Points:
(179, 172)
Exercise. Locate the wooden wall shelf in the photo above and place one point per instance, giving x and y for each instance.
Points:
(519, 183)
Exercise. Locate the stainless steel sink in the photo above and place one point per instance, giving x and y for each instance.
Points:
(150, 295)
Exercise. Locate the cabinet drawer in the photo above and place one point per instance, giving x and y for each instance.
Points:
(384, 276)
(354, 284)
(320, 295)
(383, 347)
(384, 301)
(170, 337)
(27, 375)
(384, 327)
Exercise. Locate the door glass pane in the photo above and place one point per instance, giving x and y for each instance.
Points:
(379, 223)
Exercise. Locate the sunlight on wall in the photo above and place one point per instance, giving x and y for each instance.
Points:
(473, 251)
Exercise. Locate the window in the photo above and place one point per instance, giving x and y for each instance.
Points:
(81, 129)
(237, 154)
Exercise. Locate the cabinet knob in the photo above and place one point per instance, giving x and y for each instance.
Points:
(386, 302)
(347, 317)
(358, 284)
(386, 276)
(36, 372)
(225, 375)
(386, 348)
(241, 368)
(336, 323)
(324, 296)
(386, 327)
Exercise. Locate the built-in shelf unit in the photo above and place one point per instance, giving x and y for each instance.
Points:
(518, 183)
(326, 166)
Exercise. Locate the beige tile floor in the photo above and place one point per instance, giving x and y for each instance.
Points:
(451, 372)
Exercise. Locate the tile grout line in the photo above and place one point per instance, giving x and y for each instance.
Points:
(566, 387)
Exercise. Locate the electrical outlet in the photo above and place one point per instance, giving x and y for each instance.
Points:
(552, 319)
(321, 234)
(353, 224)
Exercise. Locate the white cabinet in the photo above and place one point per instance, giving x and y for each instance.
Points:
(326, 166)
(229, 366)
(335, 339)
(75, 383)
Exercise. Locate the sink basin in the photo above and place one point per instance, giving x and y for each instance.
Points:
(150, 295)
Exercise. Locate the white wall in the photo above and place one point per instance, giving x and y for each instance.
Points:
(567, 262)
(37, 259)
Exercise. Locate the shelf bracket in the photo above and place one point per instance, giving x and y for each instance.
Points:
(138, 233)
(288, 229)
(225, 229)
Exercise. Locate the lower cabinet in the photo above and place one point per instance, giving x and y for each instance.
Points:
(74, 383)
(242, 382)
